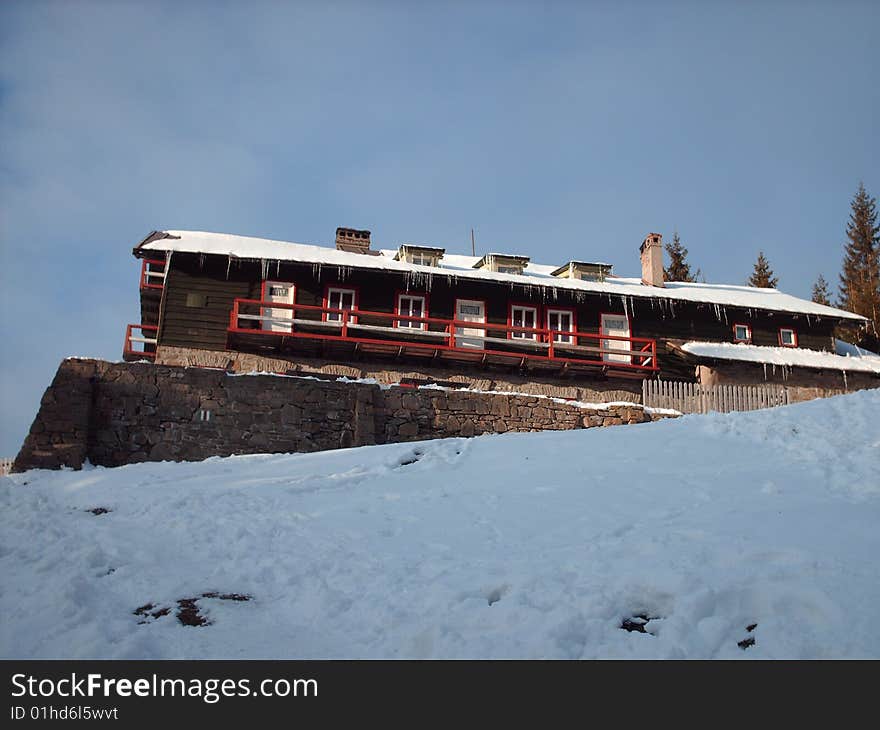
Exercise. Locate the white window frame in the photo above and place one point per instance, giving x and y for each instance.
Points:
(523, 335)
(564, 339)
(419, 258)
(335, 316)
(794, 337)
(747, 338)
(409, 324)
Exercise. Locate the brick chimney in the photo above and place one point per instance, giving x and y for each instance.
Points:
(652, 260)
(353, 240)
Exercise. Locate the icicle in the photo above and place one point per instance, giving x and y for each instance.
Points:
(765, 371)
(264, 268)
(845, 384)
(228, 266)
(278, 268)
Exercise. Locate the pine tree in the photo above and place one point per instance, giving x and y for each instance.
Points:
(860, 278)
(762, 276)
(820, 292)
(679, 269)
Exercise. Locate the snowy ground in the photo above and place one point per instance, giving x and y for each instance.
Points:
(523, 545)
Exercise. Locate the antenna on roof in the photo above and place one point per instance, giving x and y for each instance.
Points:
(473, 244)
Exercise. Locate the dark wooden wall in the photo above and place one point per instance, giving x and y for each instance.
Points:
(205, 327)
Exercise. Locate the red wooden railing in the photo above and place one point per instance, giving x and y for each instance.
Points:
(128, 348)
(583, 348)
(153, 274)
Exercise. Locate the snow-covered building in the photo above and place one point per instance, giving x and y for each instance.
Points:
(420, 306)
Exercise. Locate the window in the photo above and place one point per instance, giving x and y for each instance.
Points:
(339, 299)
(411, 305)
(419, 255)
(509, 269)
(523, 316)
(742, 333)
(788, 338)
(194, 299)
(561, 320)
(278, 291)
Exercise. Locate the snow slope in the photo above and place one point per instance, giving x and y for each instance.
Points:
(522, 545)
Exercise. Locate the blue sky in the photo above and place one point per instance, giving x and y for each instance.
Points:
(557, 130)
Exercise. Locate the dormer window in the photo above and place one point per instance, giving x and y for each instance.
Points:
(502, 263)
(587, 271)
(419, 255)
(422, 259)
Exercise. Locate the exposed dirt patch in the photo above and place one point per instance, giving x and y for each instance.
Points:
(150, 612)
(99, 510)
(638, 622)
(749, 640)
(188, 613)
(188, 610)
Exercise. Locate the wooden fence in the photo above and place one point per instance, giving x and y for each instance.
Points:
(696, 398)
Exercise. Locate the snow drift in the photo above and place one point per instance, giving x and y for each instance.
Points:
(732, 536)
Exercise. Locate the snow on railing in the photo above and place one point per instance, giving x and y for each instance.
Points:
(437, 335)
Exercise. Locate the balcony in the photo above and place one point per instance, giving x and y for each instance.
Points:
(273, 328)
(139, 347)
(152, 276)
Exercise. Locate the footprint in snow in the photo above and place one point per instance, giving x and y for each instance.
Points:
(494, 595)
(410, 458)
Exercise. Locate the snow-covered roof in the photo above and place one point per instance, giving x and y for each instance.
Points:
(842, 347)
(459, 266)
(786, 356)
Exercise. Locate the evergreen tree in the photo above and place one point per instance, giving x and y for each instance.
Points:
(860, 278)
(820, 292)
(679, 269)
(762, 276)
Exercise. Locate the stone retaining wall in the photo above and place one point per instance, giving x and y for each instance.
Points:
(588, 389)
(118, 413)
